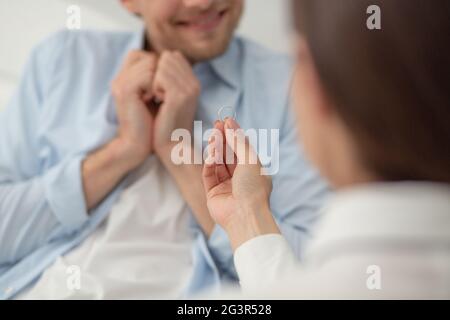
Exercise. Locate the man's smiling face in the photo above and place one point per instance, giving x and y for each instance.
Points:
(200, 29)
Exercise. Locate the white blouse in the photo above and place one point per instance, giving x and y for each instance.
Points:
(384, 241)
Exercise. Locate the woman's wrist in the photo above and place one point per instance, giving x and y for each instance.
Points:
(249, 223)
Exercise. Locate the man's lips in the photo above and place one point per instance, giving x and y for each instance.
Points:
(205, 22)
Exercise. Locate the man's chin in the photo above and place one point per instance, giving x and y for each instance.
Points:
(201, 52)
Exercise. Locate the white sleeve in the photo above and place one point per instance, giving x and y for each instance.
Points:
(262, 261)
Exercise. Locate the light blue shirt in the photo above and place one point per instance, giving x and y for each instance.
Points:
(63, 110)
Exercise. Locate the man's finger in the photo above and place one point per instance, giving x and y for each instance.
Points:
(136, 55)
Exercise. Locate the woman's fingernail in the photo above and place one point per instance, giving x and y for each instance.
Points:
(231, 123)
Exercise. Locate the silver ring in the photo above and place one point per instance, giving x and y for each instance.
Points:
(221, 111)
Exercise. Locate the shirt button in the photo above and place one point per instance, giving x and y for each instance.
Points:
(8, 290)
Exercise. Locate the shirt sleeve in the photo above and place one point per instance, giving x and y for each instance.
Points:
(262, 261)
(35, 207)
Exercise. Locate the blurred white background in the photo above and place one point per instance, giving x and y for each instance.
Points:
(23, 23)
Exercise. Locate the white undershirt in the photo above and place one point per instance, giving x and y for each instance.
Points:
(142, 251)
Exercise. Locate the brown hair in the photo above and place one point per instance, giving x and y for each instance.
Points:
(391, 86)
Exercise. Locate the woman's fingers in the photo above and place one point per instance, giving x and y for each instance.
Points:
(227, 147)
(214, 170)
(209, 177)
(229, 157)
(238, 142)
(218, 143)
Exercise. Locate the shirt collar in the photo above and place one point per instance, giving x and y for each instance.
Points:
(138, 40)
(226, 66)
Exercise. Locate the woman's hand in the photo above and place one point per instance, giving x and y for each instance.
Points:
(237, 192)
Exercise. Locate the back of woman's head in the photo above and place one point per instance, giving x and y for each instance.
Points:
(391, 87)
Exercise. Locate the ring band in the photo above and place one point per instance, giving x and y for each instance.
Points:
(221, 115)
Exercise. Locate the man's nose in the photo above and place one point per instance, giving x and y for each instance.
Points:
(200, 4)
